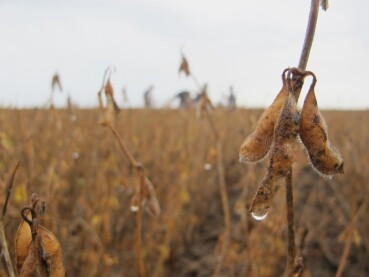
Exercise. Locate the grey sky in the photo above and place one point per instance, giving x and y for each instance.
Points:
(242, 43)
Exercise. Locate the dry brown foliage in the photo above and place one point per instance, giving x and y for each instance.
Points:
(88, 186)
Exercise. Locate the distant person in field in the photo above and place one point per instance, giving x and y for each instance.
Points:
(185, 101)
(231, 98)
(148, 97)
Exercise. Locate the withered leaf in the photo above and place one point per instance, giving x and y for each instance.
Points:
(184, 66)
(55, 83)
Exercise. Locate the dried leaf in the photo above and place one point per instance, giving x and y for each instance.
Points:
(153, 205)
(111, 111)
(184, 66)
(55, 83)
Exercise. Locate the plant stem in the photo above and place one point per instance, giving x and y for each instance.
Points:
(309, 35)
(223, 195)
(291, 244)
(348, 242)
(141, 178)
(3, 241)
(304, 57)
(222, 187)
(123, 146)
(9, 189)
(138, 231)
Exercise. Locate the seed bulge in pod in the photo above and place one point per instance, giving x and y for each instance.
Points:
(257, 144)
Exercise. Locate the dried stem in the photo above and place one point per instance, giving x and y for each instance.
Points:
(141, 178)
(3, 241)
(222, 187)
(225, 205)
(223, 195)
(9, 189)
(138, 233)
(309, 35)
(291, 244)
(123, 146)
(348, 241)
(304, 57)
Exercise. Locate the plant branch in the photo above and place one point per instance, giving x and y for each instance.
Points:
(348, 242)
(309, 35)
(304, 57)
(3, 241)
(138, 233)
(141, 178)
(123, 146)
(222, 187)
(9, 189)
(291, 244)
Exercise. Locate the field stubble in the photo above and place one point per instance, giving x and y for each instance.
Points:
(77, 167)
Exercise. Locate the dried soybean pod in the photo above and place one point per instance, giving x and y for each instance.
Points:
(285, 139)
(29, 245)
(34, 264)
(153, 206)
(23, 237)
(23, 240)
(324, 157)
(257, 144)
(52, 252)
(281, 156)
(263, 198)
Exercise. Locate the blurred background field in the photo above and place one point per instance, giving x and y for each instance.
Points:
(77, 167)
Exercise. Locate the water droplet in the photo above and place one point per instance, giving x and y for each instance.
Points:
(207, 166)
(259, 215)
(134, 209)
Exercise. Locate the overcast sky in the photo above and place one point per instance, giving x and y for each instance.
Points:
(242, 43)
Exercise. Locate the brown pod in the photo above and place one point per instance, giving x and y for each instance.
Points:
(281, 157)
(263, 198)
(27, 249)
(324, 157)
(257, 144)
(285, 134)
(153, 206)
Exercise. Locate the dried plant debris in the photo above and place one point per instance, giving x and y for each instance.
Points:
(204, 104)
(257, 144)
(38, 251)
(184, 67)
(55, 83)
(111, 110)
(149, 199)
(324, 157)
